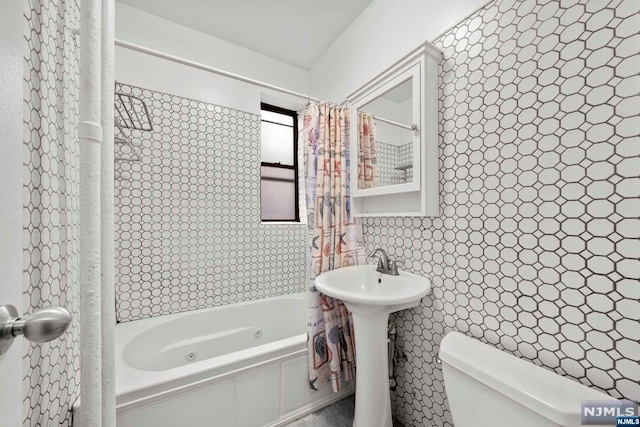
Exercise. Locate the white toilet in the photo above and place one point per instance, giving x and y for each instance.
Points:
(490, 388)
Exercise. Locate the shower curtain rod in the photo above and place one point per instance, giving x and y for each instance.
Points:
(178, 60)
(199, 66)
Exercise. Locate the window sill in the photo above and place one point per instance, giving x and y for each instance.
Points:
(283, 222)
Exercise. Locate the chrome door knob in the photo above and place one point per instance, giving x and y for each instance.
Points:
(44, 325)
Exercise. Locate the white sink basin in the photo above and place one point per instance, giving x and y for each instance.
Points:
(371, 296)
(362, 285)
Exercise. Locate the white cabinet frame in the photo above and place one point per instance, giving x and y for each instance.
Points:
(421, 197)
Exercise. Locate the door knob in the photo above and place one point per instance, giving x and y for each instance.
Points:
(44, 325)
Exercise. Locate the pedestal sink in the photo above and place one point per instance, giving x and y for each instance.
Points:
(371, 296)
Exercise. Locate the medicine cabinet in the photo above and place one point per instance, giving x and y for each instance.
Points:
(394, 139)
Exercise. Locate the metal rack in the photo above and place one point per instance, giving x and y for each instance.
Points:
(131, 113)
(404, 168)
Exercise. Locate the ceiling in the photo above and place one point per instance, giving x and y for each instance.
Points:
(297, 32)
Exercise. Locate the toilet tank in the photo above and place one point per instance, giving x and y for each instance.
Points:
(486, 387)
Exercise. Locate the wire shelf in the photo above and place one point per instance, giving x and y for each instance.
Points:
(404, 166)
(131, 113)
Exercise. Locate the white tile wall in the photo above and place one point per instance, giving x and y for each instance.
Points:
(51, 370)
(538, 248)
(188, 230)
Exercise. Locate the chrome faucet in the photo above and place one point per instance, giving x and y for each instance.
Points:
(385, 266)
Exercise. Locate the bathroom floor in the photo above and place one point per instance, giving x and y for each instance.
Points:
(338, 414)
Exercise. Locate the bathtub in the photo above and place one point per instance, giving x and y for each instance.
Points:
(241, 365)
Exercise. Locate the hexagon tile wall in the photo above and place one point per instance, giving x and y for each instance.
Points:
(537, 250)
(188, 231)
(51, 102)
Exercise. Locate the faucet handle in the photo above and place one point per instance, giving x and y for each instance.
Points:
(394, 266)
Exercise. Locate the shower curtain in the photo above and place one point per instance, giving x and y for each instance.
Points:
(335, 240)
(367, 151)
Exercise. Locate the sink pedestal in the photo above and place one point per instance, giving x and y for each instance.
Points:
(373, 400)
(371, 296)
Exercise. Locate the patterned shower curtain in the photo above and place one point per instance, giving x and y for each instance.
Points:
(335, 241)
(367, 152)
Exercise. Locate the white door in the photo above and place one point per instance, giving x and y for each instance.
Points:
(11, 62)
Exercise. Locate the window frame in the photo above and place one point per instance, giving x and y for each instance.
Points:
(294, 115)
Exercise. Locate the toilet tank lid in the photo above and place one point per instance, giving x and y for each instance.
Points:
(550, 395)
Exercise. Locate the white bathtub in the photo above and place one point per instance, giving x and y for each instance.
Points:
(241, 365)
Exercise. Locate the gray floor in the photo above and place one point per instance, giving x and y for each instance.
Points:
(338, 414)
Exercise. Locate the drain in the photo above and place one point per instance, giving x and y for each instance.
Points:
(257, 333)
(191, 356)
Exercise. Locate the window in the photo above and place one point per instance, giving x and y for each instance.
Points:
(279, 164)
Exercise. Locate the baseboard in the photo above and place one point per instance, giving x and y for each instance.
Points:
(312, 407)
